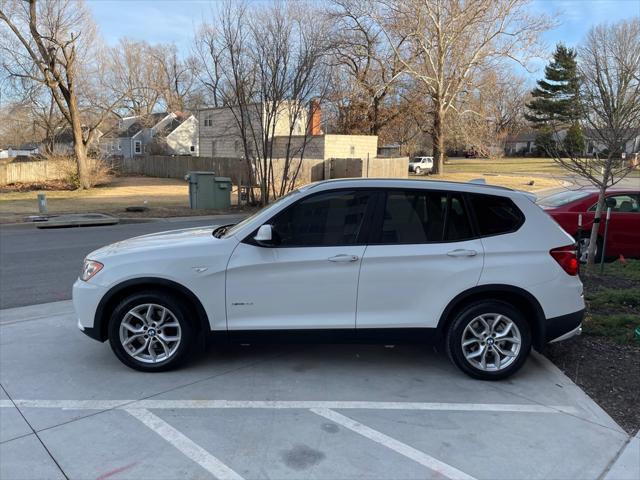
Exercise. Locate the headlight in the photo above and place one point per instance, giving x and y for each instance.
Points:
(89, 269)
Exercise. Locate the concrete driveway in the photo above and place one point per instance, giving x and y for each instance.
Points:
(69, 409)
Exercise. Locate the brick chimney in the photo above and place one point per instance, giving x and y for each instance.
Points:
(315, 118)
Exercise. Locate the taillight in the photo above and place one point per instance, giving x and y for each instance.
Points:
(567, 258)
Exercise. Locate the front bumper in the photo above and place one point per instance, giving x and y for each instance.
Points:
(86, 298)
(564, 327)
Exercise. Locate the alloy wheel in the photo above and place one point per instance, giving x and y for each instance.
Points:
(150, 333)
(491, 342)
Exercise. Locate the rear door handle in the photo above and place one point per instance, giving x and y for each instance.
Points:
(343, 258)
(460, 252)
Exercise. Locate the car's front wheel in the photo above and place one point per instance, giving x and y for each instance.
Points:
(149, 331)
(489, 340)
(418, 171)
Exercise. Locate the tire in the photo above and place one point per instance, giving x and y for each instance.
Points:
(418, 171)
(498, 315)
(167, 347)
(584, 244)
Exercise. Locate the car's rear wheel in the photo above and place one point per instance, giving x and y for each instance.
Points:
(151, 332)
(489, 340)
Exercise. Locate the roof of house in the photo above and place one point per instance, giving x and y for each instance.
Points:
(528, 136)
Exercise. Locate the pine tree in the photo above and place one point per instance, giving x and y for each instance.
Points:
(556, 99)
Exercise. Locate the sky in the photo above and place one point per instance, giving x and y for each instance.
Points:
(174, 21)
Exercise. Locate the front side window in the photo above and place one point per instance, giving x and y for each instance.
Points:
(620, 203)
(415, 217)
(496, 215)
(323, 220)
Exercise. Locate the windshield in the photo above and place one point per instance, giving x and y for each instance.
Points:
(562, 198)
(238, 226)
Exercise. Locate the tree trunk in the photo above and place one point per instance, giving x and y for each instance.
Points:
(593, 237)
(79, 147)
(437, 137)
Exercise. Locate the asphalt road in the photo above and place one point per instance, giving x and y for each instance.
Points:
(40, 266)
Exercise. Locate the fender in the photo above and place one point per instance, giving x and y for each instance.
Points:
(517, 296)
(101, 318)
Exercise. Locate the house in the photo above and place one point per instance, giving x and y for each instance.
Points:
(25, 150)
(62, 141)
(522, 144)
(156, 133)
(219, 135)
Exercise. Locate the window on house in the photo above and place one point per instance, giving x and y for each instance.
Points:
(137, 147)
(208, 120)
(119, 147)
(192, 148)
(214, 148)
(352, 150)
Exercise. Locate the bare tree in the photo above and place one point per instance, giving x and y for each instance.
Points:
(485, 117)
(446, 44)
(361, 53)
(53, 43)
(134, 74)
(609, 65)
(265, 65)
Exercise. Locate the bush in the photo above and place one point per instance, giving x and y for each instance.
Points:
(67, 169)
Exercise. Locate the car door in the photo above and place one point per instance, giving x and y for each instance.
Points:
(421, 255)
(623, 236)
(308, 278)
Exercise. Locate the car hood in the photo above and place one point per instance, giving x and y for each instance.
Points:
(174, 239)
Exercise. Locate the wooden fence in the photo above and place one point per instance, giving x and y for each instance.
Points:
(23, 172)
(311, 170)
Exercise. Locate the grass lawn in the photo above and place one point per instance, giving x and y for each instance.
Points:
(165, 197)
(604, 360)
(613, 301)
(517, 182)
(507, 165)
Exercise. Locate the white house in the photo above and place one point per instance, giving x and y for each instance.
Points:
(26, 150)
(157, 133)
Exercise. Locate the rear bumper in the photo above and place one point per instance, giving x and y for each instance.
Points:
(563, 327)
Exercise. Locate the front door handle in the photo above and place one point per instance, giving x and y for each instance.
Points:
(461, 252)
(343, 258)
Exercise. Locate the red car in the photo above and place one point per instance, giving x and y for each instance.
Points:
(623, 237)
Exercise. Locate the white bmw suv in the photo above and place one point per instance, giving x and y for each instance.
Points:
(481, 269)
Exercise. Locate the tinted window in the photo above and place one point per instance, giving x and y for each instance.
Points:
(326, 219)
(413, 217)
(496, 215)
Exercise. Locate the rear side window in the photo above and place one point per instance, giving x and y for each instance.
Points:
(496, 215)
(415, 217)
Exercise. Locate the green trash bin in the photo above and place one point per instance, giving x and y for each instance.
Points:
(222, 193)
(202, 189)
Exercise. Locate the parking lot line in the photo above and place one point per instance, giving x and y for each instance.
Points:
(187, 446)
(283, 404)
(393, 444)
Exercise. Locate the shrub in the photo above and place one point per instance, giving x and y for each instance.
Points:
(66, 168)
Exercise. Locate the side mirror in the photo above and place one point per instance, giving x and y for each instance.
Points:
(610, 202)
(265, 234)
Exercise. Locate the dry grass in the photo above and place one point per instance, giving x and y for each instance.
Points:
(158, 193)
(517, 182)
(509, 165)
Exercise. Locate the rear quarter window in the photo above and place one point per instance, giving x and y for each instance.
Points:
(495, 215)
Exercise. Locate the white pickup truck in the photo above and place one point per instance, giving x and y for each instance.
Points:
(421, 165)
